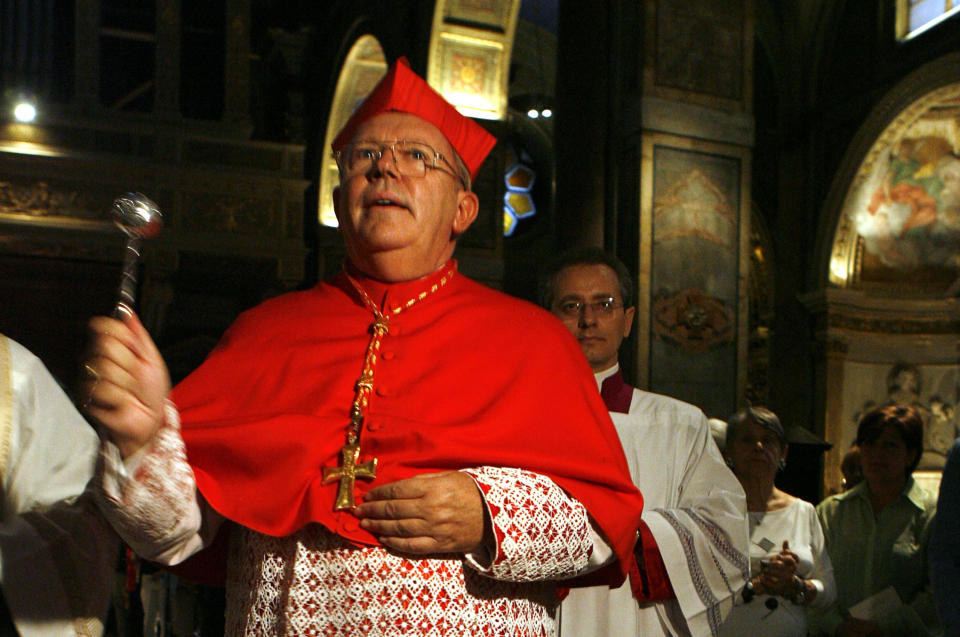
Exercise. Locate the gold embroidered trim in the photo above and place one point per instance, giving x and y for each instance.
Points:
(350, 467)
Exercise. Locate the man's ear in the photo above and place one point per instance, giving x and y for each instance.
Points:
(628, 320)
(468, 206)
(336, 202)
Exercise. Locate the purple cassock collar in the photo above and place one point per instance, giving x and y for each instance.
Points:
(616, 394)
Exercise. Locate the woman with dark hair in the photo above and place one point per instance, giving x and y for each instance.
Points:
(877, 534)
(789, 567)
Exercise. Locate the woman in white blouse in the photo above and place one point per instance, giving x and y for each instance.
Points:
(790, 568)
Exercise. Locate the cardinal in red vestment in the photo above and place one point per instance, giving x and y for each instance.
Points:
(397, 451)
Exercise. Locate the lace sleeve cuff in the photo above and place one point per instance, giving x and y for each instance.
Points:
(151, 497)
(540, 532)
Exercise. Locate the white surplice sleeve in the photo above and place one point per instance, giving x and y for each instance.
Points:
(56, 551)
(703, 533)
(151, 498)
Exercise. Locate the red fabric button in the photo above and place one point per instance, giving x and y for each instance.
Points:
(373, 426)
(389, 355)
(383, 391)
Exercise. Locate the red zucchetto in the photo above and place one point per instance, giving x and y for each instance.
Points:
(405, 91)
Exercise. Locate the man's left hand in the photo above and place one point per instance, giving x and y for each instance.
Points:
(429, 513)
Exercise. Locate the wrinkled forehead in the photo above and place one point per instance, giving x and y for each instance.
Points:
(396, 125)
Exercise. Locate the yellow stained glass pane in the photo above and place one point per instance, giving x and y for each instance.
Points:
(521, 203)
(509, 223)
(521, 178)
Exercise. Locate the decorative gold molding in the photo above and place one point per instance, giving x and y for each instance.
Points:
(857, 311)
(39, 199)
(861, 324)
(470, 47)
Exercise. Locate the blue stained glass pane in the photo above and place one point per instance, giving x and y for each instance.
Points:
(924, 11)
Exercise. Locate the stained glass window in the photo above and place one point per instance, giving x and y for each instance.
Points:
(518, 200)
(916, 16)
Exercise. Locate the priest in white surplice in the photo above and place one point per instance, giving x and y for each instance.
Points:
(694, 540)
(56, 551)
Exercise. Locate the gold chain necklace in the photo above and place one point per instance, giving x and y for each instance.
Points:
(350, 468)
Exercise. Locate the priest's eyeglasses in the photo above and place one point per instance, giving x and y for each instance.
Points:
(572, 308)
(411, 159)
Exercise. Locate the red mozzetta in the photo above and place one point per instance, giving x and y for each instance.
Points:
(465, 377)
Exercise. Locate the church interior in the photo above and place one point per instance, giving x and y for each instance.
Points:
(782, 178)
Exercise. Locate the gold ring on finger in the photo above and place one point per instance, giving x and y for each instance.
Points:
(94, 374)
(96, 381)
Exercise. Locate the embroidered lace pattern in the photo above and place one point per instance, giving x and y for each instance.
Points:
(156, 492)
(315, 583)
(540, 531)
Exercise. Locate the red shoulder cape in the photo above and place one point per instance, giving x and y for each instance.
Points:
(466, 377)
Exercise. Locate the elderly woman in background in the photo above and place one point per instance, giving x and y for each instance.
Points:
(877, 534)
(789, 565)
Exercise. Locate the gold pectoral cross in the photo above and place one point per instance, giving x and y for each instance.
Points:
(347, 473)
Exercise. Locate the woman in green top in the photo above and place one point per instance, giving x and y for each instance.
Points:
(877, 535)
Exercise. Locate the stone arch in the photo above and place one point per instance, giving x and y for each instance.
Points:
(840, 248)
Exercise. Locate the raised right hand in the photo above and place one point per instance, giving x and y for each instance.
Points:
(126, 382)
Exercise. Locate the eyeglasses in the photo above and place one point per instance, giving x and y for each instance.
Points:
(411, 159)
(571, 308)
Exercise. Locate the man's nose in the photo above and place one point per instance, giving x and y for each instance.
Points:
(385, 164)
(588, 315)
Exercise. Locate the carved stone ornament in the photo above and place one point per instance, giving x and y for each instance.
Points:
(40, 199)
(693, 321)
